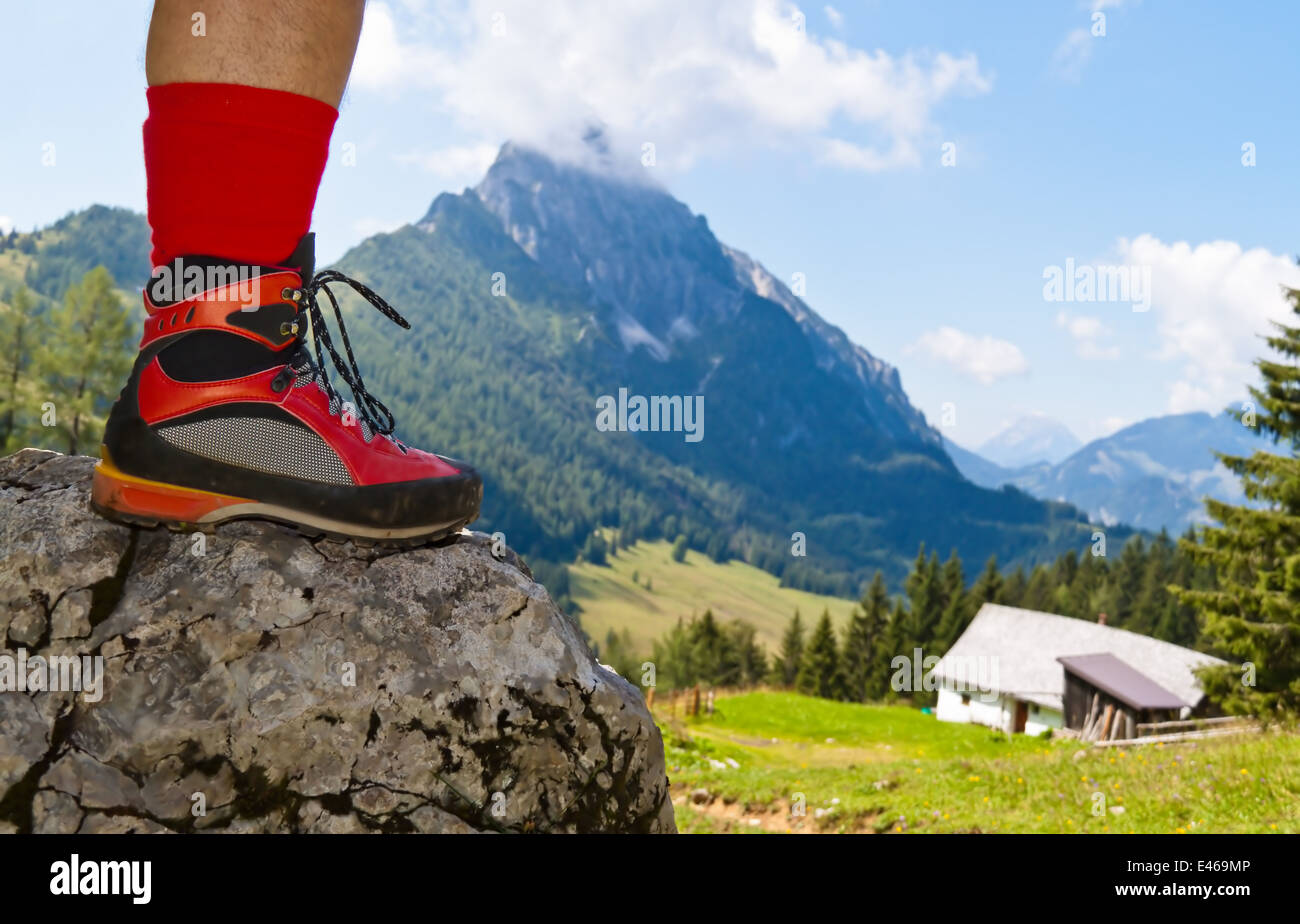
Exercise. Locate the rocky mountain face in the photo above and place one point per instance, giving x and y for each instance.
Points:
(1151, 475)
(663, 274)
(257, 681)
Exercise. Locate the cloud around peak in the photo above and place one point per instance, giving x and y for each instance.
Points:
(693, 80)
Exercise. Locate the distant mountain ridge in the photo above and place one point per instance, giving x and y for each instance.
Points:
(1153, 474)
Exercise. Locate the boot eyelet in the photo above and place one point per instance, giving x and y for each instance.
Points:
(281, 381)
(289, 329)
(292, 294)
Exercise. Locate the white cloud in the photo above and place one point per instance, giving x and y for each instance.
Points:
(6, 224)
(696, 79)
(1087, 332)
(1075, 50)
(1073, 54)
(457, 165)
(834, 16)
(1212, 302)
(385, 61)
(983, 358)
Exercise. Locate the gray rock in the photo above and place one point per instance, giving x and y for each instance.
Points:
(300, 685)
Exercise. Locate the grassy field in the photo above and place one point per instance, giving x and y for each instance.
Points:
(893, 769)
(610, 598)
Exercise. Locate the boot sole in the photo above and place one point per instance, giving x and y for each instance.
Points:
(135, 501)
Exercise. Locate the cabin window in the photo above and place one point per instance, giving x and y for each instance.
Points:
(965, 699)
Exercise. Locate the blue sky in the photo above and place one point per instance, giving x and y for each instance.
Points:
(813, 138)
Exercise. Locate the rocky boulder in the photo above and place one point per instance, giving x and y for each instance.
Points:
(258, 681)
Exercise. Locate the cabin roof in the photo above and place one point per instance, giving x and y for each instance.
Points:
(1021, 648)
(1125, 683)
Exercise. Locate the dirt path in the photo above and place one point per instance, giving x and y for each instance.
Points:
(775, 818)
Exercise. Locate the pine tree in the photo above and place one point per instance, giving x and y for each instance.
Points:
(988, 587)
(819, 672)
(20, 331)
(864, 662)
(1038, 592)
(674, 658)
(925, 594)
(1253, 616)
(749, 657)
(84, 360)
(1128, 575)
(1012, 592)
(713, 655)
(1178, 622)
(957, 610)
(717, 549)
(785, 666)
(595, 550)
(1152, 597)
(895, 645)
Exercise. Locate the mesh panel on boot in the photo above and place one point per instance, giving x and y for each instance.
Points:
(336, 406)
(270, 446)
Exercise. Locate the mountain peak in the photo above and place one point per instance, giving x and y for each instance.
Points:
(659, 271)
(1033, 438)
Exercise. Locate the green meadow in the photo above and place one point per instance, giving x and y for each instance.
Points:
(893, 769)
(644, 591)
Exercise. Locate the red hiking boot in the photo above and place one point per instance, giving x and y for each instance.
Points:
(228, 415)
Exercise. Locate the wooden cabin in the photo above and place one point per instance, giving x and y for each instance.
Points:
(1106, 699)
(1008, 671)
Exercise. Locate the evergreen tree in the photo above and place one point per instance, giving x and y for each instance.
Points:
(749, 658)
(957, 611)
(717, 549)
(819, 672)
(988, 587)
(674, 659)
(1087, 579)
(1253, 615)
(956, 617)
(864, 662)
(20, 332)
(1178, 623)
(1153, 598)
(1013, 587)
(713, 662)
(785, 666)
(1038, 592)
(925, 594)
(83, 361)
(1128, 575)
(895, 645)
(595, 550)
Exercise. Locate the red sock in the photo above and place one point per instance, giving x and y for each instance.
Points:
(232, 170)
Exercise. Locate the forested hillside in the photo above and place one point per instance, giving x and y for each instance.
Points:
(811, 464)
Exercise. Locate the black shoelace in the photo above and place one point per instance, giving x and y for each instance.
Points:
(377, 417)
